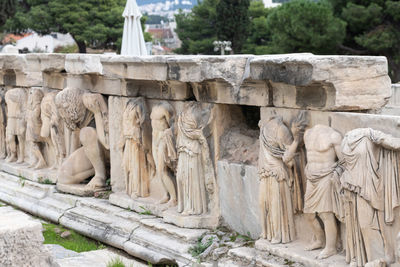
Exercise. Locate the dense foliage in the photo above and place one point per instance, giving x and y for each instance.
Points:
(233, 22)
(7, 10)
(305, 26)
(97, 24)
(373, 28)
(197, 30)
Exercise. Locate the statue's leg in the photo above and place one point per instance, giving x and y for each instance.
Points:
(94, 152)
(262, 195)
(318, 232)
(41, 163)
(169, 185)
(331, 232)
(76, 168)
(12, 146)
(21, 148)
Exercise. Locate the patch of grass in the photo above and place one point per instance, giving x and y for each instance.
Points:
(22, 180)
(246, 238)
(75, 241)
(66, 49)
(41, 180)
(145, 211)
(116, 262)
(199, 247)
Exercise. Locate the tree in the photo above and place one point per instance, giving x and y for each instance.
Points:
(7, 10)
(259, 34)
(91, 23)
(373, 28)
(305, 26)
(196, 29)
(233, 22)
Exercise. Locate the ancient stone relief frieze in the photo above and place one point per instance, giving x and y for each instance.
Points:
(370, 182)
(322, 197)
(16, 125)
(53, 128)
(137, 162)
(78, 108)
(195, 172)
(33, 128)
(279, 177)
(164, 150)
(3, 150)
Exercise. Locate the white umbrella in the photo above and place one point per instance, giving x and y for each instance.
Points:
(132, 40)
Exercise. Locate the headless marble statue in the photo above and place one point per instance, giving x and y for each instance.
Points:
(16, 127)
(33, 127)
(164, 152)
(77, 108)
(323, 186)
(277, 177)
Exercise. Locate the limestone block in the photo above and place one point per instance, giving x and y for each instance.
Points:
(95, 84)
(52, 62)
(324, 82)
(83, 64)
(239, 186)
(135, 68)
(21, 240)
(173, 90)
(54, 80)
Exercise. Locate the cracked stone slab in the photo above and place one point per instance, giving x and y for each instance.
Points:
(186, 234)
(295, 252)
(100, 226)
(160, 242)
(22, 170)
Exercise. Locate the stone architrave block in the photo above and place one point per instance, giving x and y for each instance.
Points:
(83, 64)
(341, 83)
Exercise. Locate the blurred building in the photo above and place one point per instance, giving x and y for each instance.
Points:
(33, 42)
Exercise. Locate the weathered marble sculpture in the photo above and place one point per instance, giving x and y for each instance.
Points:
(163, 147)
(370, 182)
(53, 128)
(77, 108)
(137, 159)
(16, 127)
(33, 127)
(3, 150)
(323, 186)
(277, 177)
(195, 171)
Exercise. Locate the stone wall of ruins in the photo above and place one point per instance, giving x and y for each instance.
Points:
(276, 147)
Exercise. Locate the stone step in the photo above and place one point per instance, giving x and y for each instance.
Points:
(251, 256)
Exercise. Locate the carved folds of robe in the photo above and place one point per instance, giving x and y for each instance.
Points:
(135, 162)
(195, 172)
(371, 183)
(277, 182)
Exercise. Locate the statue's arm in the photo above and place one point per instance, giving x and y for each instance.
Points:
(385, 140)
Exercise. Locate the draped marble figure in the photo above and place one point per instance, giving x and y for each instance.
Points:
(370, 181)
(195, 171)
(137, 159)
(164, 152)
(16, 124)
(77, 108)
(3, 150)
(322, 196)
(33, 127)
(278, 177)
(53, 128)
